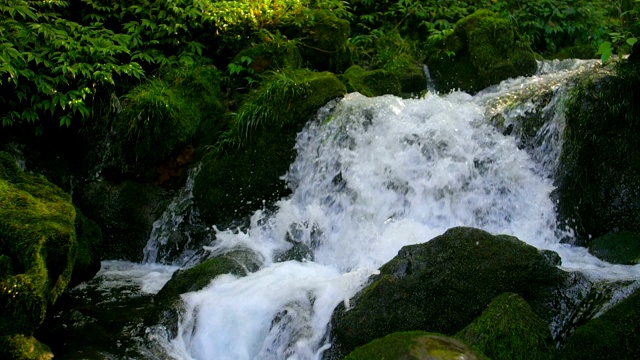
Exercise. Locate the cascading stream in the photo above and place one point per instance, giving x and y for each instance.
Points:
(373, 175)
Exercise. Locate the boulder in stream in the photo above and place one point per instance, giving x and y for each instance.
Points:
(508, 329)
(443, 285)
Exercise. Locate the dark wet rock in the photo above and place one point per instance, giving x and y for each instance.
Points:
(509, 329)
(614, 335)
(125, 213)
(617, 248)
(443, 285)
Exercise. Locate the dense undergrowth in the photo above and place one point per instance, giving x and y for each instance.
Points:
(61, 59)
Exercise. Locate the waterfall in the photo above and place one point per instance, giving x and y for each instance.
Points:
(373, 175)
(170, 241)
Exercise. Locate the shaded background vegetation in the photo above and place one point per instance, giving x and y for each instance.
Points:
(58, 58)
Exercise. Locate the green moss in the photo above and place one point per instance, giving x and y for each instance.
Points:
(20, 347)
(413, 345)
(371, 83)
(617, 248)
(614, 335)
(508, 329)
(483, 50)
(38, 248)
(287, 98)
(410, 73)
(444, 284)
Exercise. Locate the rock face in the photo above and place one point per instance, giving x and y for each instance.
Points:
(415, 345)
(233, 186)
(482, 51)
(509, 329)
(614, 335)
(37, 254)
(125, 212)
(598, 183)
(443, 285)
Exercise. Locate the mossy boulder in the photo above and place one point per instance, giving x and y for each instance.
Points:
(233, 185)
(617, 248)
(371, 82)
(411, 74)
(37, 253)
(125, 213)
(508, 329)
(414, 345)
(613, 335)
(443, 285)
(483, 50)
(197, 277)
(598, 182)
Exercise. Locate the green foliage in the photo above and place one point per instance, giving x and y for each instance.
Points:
(274, 103)
(553, 24)
(56, 57)
(51, 66)
(162, 115)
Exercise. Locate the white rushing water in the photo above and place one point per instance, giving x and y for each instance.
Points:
(373, 175)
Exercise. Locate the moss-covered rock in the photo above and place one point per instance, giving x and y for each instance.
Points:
(20, 347)
(125, 212)
(598, 182)
(414, 345)
(483, 50)
(37, 252)
(617, 248)
(233, 185)
(197, 277)
(443, 284)
(89, 254)
(614, 335)
(371, 83)
(508, 329)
